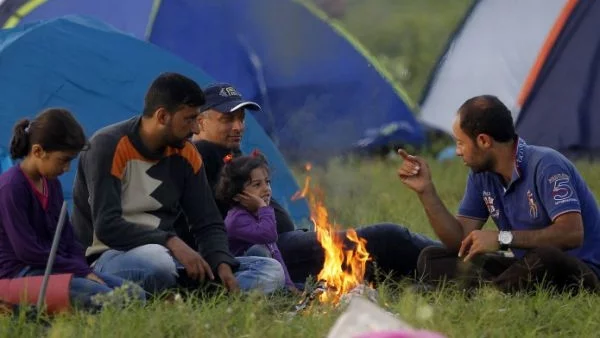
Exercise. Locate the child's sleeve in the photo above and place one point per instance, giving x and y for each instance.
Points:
(75, 249)
(28, 246)
(244, 226)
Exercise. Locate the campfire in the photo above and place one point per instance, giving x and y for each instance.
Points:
(345, 258)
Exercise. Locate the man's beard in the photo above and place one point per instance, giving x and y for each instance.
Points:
(488, 164)
(175, 142)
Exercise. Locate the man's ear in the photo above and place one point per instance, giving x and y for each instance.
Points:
(162, 116)
(201, 120)
(484, 141)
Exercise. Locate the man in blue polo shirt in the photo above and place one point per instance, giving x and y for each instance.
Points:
(544, 211)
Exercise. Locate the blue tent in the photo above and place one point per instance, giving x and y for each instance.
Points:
(563, 108)
(322, 95)
(101, 75)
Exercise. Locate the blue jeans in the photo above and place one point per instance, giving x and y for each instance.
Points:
(393, 247)
(153, 267)
(82, 290)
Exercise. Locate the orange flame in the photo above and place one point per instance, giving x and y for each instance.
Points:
(301, 194)
(344, 267)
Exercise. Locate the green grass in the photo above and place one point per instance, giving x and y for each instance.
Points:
(358, 192)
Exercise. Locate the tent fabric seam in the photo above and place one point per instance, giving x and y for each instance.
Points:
(440, 60)
(545, 50)
(362, 50)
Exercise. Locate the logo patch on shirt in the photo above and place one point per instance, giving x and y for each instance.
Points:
(533, 208)
(489, 203)
(562, 191)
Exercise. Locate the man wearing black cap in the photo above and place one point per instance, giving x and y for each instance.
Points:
(393, 247)
(134, 183)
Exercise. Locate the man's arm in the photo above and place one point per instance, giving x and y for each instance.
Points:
(557, 195)
(205, 221)
(104, 164)
(450, 229)
(566, 232)
(415, 174)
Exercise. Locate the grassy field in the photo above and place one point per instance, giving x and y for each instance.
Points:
(358, 193)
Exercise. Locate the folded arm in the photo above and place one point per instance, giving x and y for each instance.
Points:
(256, 230)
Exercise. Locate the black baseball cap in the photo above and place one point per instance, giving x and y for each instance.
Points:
(224, 98)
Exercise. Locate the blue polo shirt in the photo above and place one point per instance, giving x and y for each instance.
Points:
(544, 185)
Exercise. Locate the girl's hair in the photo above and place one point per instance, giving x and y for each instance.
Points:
(53, 129)
(235, 173)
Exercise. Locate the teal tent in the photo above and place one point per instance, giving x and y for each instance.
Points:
(321, 92)
(101, 75)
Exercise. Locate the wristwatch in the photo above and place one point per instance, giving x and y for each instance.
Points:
(505, 239)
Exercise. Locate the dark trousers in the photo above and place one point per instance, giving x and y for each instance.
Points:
(394, 249)
(549, 267)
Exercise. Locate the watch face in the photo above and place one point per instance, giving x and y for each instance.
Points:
(505, 237)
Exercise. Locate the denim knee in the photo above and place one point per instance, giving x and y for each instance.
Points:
(273, 276)
(133, 290)
(90, 295)
(150, 265)
(83, 290)
(161, 269)
(260, 273)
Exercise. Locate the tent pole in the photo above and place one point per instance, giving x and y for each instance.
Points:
(52, 257)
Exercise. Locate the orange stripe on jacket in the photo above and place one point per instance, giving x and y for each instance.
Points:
(190, 153)
(124, 152)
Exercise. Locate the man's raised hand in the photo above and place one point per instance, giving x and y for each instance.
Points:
(414, 172)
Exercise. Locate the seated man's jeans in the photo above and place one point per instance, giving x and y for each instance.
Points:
(156, 270)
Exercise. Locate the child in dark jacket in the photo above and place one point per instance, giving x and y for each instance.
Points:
(31, 199)
(245, 187)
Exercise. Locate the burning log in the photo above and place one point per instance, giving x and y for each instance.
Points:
(361, 290)
(310, 296)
